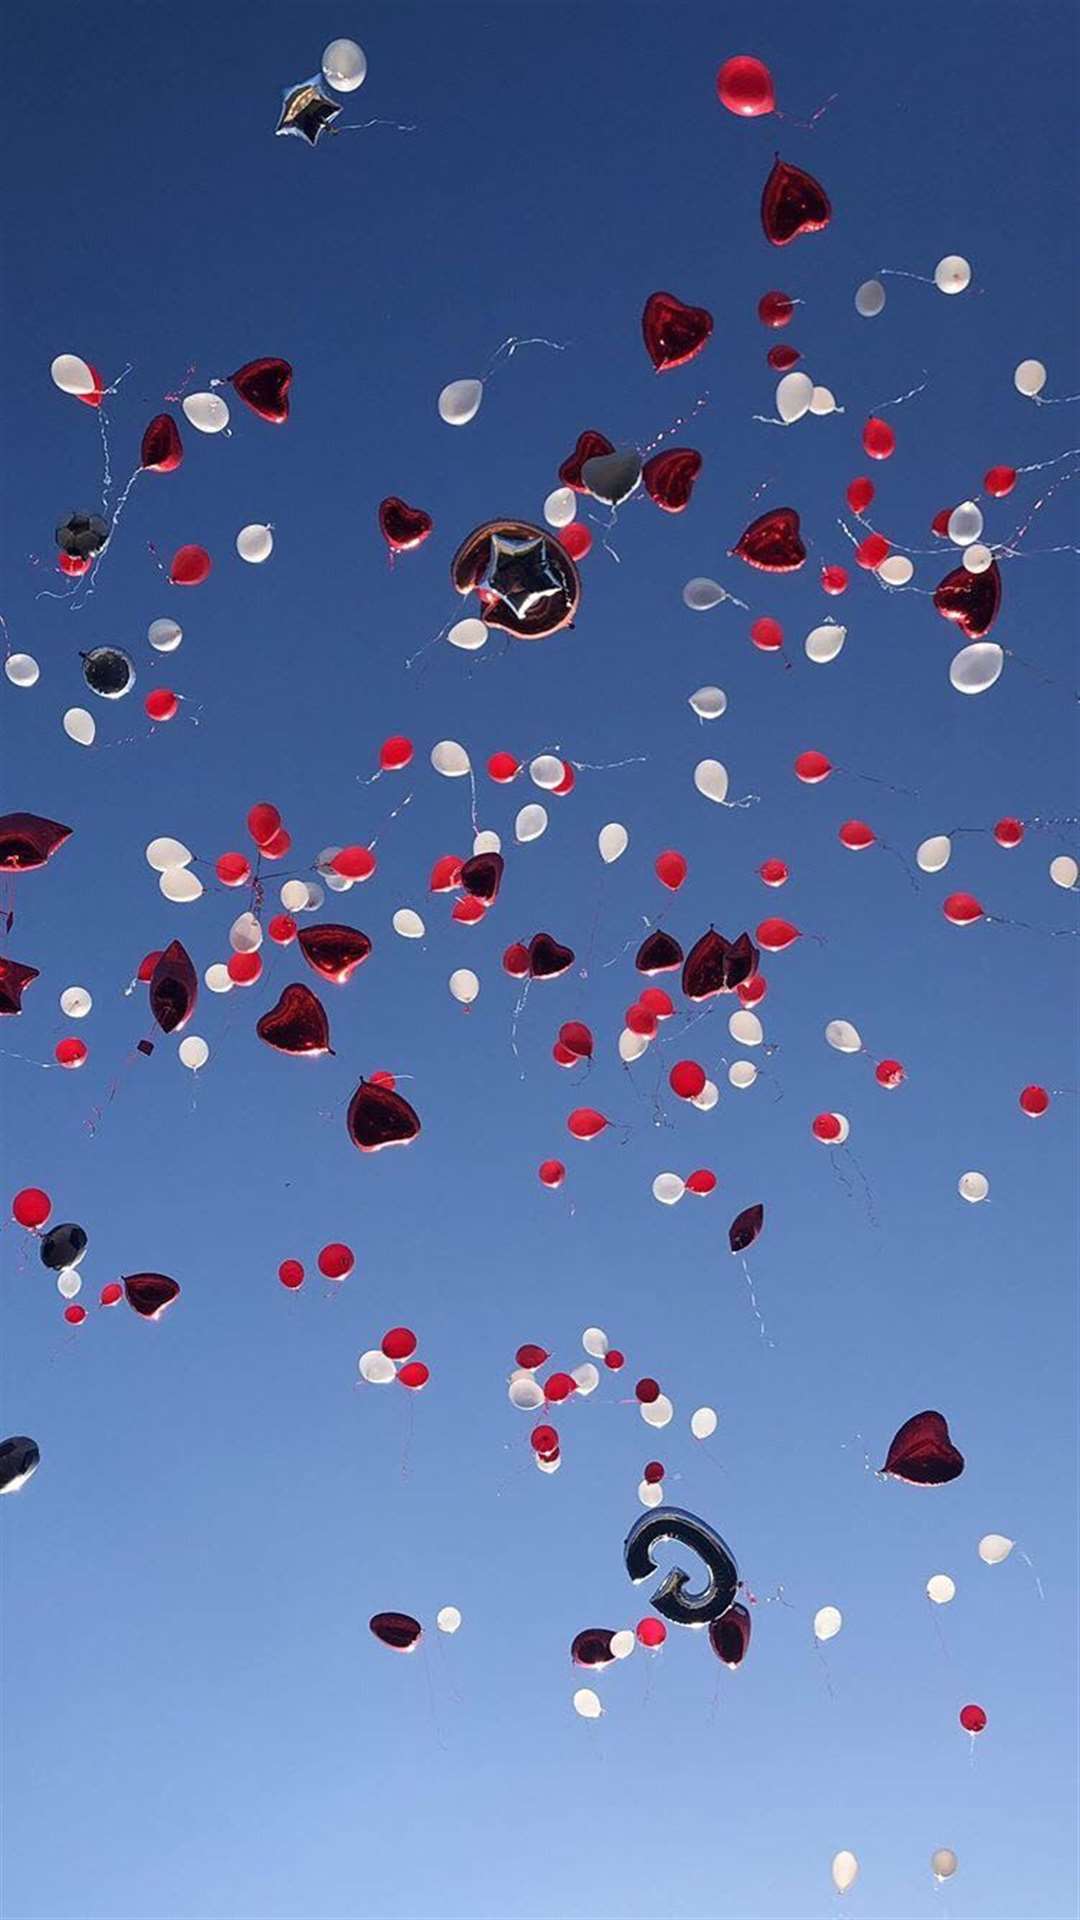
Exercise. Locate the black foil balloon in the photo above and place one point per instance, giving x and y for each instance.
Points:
(19, 1459)
(397, 1630)
(63, 1246)
(659, 952)
(745, 1228)
(109, 672)
(82, 535)
(592, 1647)
(482, 876)
(922, 1452)
(671, 1598)
(548, 958)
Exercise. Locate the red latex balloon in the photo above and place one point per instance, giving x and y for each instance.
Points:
(297, 1025)
(402, 526)
(614, 1359)
(702, 1181)
(31, 1207)
(562, 1056)
(414, 1375)
(590, 445)
(515, 961)
(826, 1127)
(767, 634)
(161, 704)
(687, 1079)
(972, 1718)
(334, 951)
(775, 309)
(97, 392)
(283, 929)
(468, 911)
(669, 478)
(74, 564)
(530, 1357)
(1034, 1101)
(752, 991)
(291, 1274)
(889, 1073)
(971, 600)
(244, 968)
(71, 1053)
(651, 1632)
(653, 1474)
(543, 1439)
(782, 359)
(856, 835)
(773, 872)
(503, 768)
(277, 846)
(646, 1391)
(671, 869)
(655, 1000)
(568, 781)
(263, 822)
(922, 1453)
(395, 753)
(559, 1386)
(673, 332)
(940, 523)
(263, 385)
(162, 448)
(233, 869)
(577, 539)
(445, 874)
(552, 1174)
(962, 909)
(75, 1315)
(354, 863)
(860, 493)
(999, 481)
(872, 551)
(792, 202)
(111, 1295)
(878, 438)
(772, 543)
(775, 935)
(190, 567)
(834, 580)
(641, 1020)
(744, 86)
(575, 1036)
(585, 1123)
(147, 966)
(384, 1079)
(1009, 832)
(336, 1260)
(810, 767)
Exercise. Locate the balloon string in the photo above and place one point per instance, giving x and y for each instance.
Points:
(1044, 679)
(875, 780)
(173, 399)
(807, 126)
(683, 420)
(519, 1009)
(901, 273)
(634, 937)
(1037, 466)
(1021, 531)
(1025, 926)
(748, 800)
(901, 397)
(754, 1304)
(608, 766)
(1064, 400)
(897, 855)
(361, 126)
(510, 346)
(472, 800)
(1030, 1563)
(428, 644)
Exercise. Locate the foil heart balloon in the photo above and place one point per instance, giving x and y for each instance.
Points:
(589, 445)
(482, 875)
(27, 841)
(793, 202)
(659, 952)
(922, 1452)
(548, 957)
(14, 980)
(715, 965)
(263, 385)
(612, 477)
(402, 526)
(669, 477)
(772, 542)
(673, 333)
(150, 1293)
(745, 1228)
(970, 599)
(380, 1117)
(174, 988)
(162, 448)
(334, 951)
(298, 1024)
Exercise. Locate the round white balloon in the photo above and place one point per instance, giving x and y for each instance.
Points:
(703, 1423)
(218, 978)
(702, 594)
(870, 299)
(943, 1863)
(623, 1643)
(822, 402)
(164, 635)
(827, 1623)
(344, 66)
(976, 668)
(896, 570)
(994, 1548)
(965, 524)
(526, 1394)
(586, 1378)
(668, 1188)
(546, 771)
(166, 852)
(845, 1871)
(68, 1283)
(1064, 871)
(934, 854)
(255, 543)
(793, 396)
(632, 1045)
(180, 886)
(595, 1342)
(711, 780)
(742, 1074)
(448, 1619)
(449, 758)
(1030, 378)
(612, 841)
(22, 669)
(650, 1493)
(206, 412)
(245, 934)
(408, 924)
(941, 1588)
(376, 1368)
(709, 702)
(531, 822)
(294, 896)
(73, 375)
(658, 1412)
(469, 635)
(560, 507)
(977, 559)
(486, 842)
(80, 726)
(464, 985)
(952, 274)
(75, 1002)
(193, 1052)
(824, 643)
(587, 1704)
(706, 1100)
(460, 402)
(843, 1036)
(973, 1187)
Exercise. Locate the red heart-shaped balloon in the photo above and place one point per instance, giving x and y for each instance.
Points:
(14, 980)
(547, 957)
(481, 876)
(334, 951)
(174, 988)
(673, 332)
(922, 1452)
(772, 543)
(380, 1117)
(793, 202)
(590, 445)
(162, 448)
(970, 599)
(263, 385)
(150, 1293)
(403, 526)
(659, 952)
(745, 1228)
(729, 1636)
(27, 840)
(298, 1023)
(669, 477)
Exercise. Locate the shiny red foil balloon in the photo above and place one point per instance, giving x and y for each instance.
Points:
(669, 478)
(673, 332)
(772, 543)
(402, 526)
(792, 202)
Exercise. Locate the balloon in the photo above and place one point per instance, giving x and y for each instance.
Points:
(970, 599)
(843, 1036)
(711, 780)
(940, 1589)
(793, 397)
(408, 924)
(870, 299)
(206, 412)
(830, 1129)
(376, 1368)
(180, 886)
(962, 909)
(14, 980)
(934, 854)
(344, 66)
(585, 1123)
(297, 1025)
(703, 1423)
(976, 668)
(403, 527)
(469, 635)
(27, 841)
(715, 965)
(255, 543)
(792, 202)
(448, 1619)
(772, 543)
(746, 1028)
(1065, 871)
(612, 477)
(161, 705)
(217, 978)
(546, 771)
(651, 1633)
(75, 1002)
(943, 1864)
(782, 358)
(834, 580)
(560, 507)
(845, 1871)
(671, 869)
(76, 377)
(922, 1453)
(19, 1461)
(164, 635)
(745, 1228)
(824, 643)
(22, 669)
(702, 594)
(744, 86)
(395, 753)
(612, 841)
(70, 1053)
(668, 1188)
(174, 988)
(149, 1294)
(586, 1379)
(708, 703)
(530, 823)
(999, 481)
(464, 986)
(977, 559)
(673, 333)
(190, 567)
(952, 274)
(587, 1704)
(965, 524)
(162, 449)
(775, 309)
(450, 759)
(380, 1117)
(460, 402)
(306, 112)
(669, 477)
(671, 1598)
(193, 1052)
(31, 1208)
(263, 385)
(973, 1187)
(775, 935)
(827, 1623)
(1030, 378)
(80, 726)
(109, 672)
(81, 536)
(1034, 1101)
(972, 1719)
(589, 444)
(994, 1548)
(856, 836)
(526, 1395)
(729, 1636)
(397, 1630)
(481, 876)
(896, 571)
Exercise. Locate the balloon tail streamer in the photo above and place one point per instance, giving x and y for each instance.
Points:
(609, 766)
(911, 394)
(754, 1303)
(1030, 1563)
(1063, 400)
(174, 398)
(683, 420)
(825, 1669)
(519, 1008)
(634, 937)
(1062, 480)
(361, 126)
(1044, 679)
(901, 273)
(509, 347)
(807, 126)
(472, 800)
(427, 646)
(875, 780)
(897, 855)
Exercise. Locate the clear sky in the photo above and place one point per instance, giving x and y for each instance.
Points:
(198, 1724)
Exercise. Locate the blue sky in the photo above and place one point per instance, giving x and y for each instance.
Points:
(198, 1724)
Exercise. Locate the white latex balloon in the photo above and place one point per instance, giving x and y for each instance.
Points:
(742, 1074)
(711, 780)
(650, 1493)
(464, 985)
(560, 507)
(526, 1394)
(206, 412)
(164, 635)
(994, 1548)
(870, 299)
(68, 1283)
(953, 274)
(22, 669)
(706, 1100)
(973, 1187)
(668, 1188)
(586, 1378)
(218, 978)
(72, 375)
(845, 1129)
(315, 896)
(546, 772)
(408, 924)
(793, 396)
(941, 1588)
(934, 854)
(460, 402)
(709, 702)
(845, 1871)
(965, 524)
(166, 852)
(701, 594)
(376, 1368)
(1064, 871)
(595, 1342)
(943, 1863)
(631, 1046)
(703, 1423)
(338, 882)
(623, 1643)
(612, 841)
(470, 635)
(977, 559)
(823, 643)
(344, 66)
(255, 543)
(975, 668)
(896, 570)
(548, 1466)
(448, 1619)
(658, 1412)
(75, 1002)
(180, 885)
(1030, 378)
(245, 934)
(827, 1623)
(324, 861)
(79, 726)
(746, 1028)
(822, 402)
(193, 1052)
(450, 759)
(843, 1036)
(486, 842)
(294, 896)
(531, 822)
(587, 1703)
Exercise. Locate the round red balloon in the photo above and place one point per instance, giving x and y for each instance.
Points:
(888, 1073)
(112, 1294)
(671, 869)
(687, 1079)
(552, 1174)
(651, 1632)
(577, 539)
(775, 309)
(414, 1375)
(291, 1274)
(860, 492)
(767, 634)
(878, 438)
(1009, 832)
(71, 1053)
(972, 1718)
(834, 580)
(1034, 1101)
(744, 86)
(774, 935)
(870, 552)
(826, 1127)
(395, 753)
(773, 872)
(585, 1123)
(190, 567)
(503, 767)
(31, 1207)
(233, 869)
(161, 704)
(855, 834)
(811, 767)
(336, 1260)
(999, 481)
(702, 1181)
(962, 909)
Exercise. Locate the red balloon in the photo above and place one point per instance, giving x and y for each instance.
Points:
(174, 987)
(878, 439)
(655, 1000)
(384, 1079)
(687, 1079)
(775, 309)
(646, 1391)
(826, 1127)
(469, 910)
(575, 1036)
(577, 539)
(999, 481)
(75, 1315)
(922, 1453)
(530, 1357)
(244, 968)
(773, 872)
(872, 551)
(74, 564)
(162, 448)
(27, 841)
(651, 1632)
(190, 567)
(354, 863)
(744, 86)
(889, 1073)
(552, 1174)
(291, 1274)
(772, 543)
(395, 753)
(71, 1053)
(782, 359)
(233, 869)
(641, 1020)
(752, 990)
(767, 634)
(810, 767)
(503, 767)
(297, 1025)
(972, 1718)
(792, 202)
(614, 1359)
(671, 869)
(161, 704)
(414, 1375)
(402, 526)
(515, 961)
(548, 958)
(590, 445)
(334, 951)
(445, 874)
(585, 1123)
(834, 580)
(562, 1056)
(673, 333)
(149, 1294)
(336, 1260)
(971, 600)
(568, 781)
(669, 478)
(263, 822)
(559, 1386)
(263, 385)
(702, 1181)
(775, 935)
(962, 909)
(147, 966)
(283, 929)
(653, 1474)
(659, 952)
(1034, 1101)
(1009, 832)
(31, 1207)
(97, 392)
(860, 492)
(543, 1439)
(717, 965)
(856, 835)
(379, 1117)
(277, 846)
(940, 523)
(111, 1295)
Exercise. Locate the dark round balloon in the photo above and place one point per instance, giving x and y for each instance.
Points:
(109, 672)
(19, 1458)
(63, 1246)
(82, 534)
(397, 1630)
(592, 1647)
(526, 581)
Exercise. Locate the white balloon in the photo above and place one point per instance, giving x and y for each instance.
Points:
(344, 66)
(531, 822)
(245, 934)
(658, 1412)
(650, 1493)
(376, 1368)
(22, 669)
(218, 978)
(164, 635)
(631, 1046)
(701, 594)
(953, 274)
(75, 1002)
(941, 1588)
(68, 1283)
(973, 1187)
(793, 396)
(845, 1129)
(994, 1548)
(711, 780)
(975, 668)
(448, 1619)
(668, 1188)
(450, 759)
(193, 1052)
(746, 1028)
(548, 1466)
(460, 402)
(1064, 871)
(943, 1863)
(316, 895)
(294, 896)
(464, 985)
(977, 559)
(823, 643)
(845, 1871)
(586, 1378)
(709, 702)
(165, 852)
(827, 1623)
(73, 375)
(965, 524)
(338, 882)
(703, 1423)
(324, 861)
(1030, 378)
(546, 772)
(843, 1036)
(80, 726)
(526, 1394)
(896, 570)
(587, 1703)
(255, 543)
(595, 1342)
(822, 402)
(742, 1074)
(206, 412)
(870, 299)
(180, 886)
(623, 1643)
(408, 924)
(470, 635)
(934, 854)
(612, 841)
(560, 507)
(706, 1100)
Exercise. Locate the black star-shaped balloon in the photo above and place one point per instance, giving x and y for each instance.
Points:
(14, 980)
(520, 573)
(307, 112)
